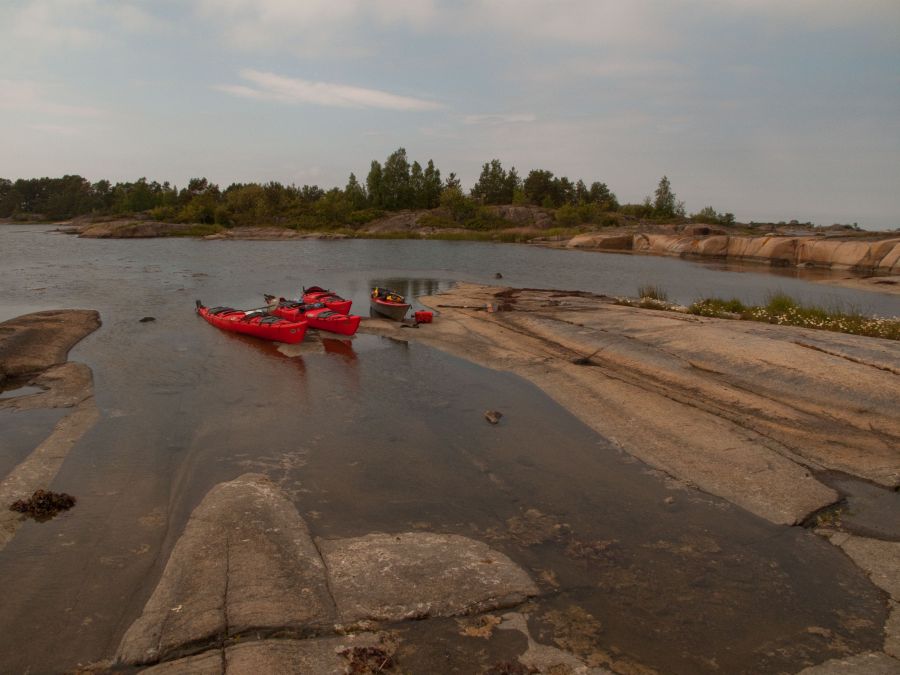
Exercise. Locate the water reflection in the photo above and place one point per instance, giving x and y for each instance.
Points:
(343, 348)
(412, 287)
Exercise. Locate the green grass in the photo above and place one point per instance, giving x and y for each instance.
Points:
(650, 296)
(653, 292)
(783, 310)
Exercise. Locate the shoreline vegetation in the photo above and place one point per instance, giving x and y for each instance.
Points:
(780, 309)
(500, 200)
(403, 200)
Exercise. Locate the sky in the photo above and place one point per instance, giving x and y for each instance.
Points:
(770, 109)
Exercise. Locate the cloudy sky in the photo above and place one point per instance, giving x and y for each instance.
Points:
(772, 109)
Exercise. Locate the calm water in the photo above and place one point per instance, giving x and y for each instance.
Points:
(47, 270)
(371, 434)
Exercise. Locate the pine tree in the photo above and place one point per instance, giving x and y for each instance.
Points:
(355, 194)
(396, 192)
(432, 186)
(417, 196)
(374, 184)
(665, 204)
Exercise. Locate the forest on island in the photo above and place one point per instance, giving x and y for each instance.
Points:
(391, 186)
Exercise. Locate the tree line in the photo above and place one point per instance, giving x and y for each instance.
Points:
(393, 185)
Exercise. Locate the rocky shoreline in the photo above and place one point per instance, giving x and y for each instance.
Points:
(751, 413)
(871, 259)
(33, 352)
(881, 256)
(754, 414)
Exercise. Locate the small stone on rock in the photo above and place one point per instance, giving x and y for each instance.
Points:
(147, 319)
(493, 416)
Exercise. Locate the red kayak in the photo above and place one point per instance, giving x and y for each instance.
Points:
(332, 301)
(316, 314)
(256, 323)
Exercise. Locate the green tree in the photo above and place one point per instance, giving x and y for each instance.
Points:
(310, 194)
(417, 197)
(566, 191)
(709, 215)
(512, 184)
(333, 208)
(665, 204)
(542, 188)
(9, 198)
(460, 206)
(453, 182)
(599, 194)
(582, 195)
(374, 183)
(432, 186)
(355, 193)
(491, 186)
(395, 181)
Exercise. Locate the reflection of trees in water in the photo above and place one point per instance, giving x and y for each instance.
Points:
(411, 288)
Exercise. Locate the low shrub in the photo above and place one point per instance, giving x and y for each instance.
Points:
(783, 310)
(653, 292)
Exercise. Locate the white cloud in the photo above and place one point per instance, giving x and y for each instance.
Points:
(500, 118)
(43, 25)
(272, 87)
(32, 97)
(342, 28)
(52, 22)
(596, 22)
(307, 27)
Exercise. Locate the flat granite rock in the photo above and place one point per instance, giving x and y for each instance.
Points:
(246, 570)
(323, 656)
(34, 342)
(245, 562)
(207, 663)
(892, 631)
(392, 577)
(880, 559)
(871, 663)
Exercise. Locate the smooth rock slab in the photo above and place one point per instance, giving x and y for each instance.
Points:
(245, 562)
(862, 664)
(272, 657)
(892, 631)
(34, 342)
(392, 577)
(879, 559)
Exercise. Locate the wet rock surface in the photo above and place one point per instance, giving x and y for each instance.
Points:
(871, 663)
(742, 411)
(245, 562)
(34, 342)
(420, 574)
(660, 586)
(867, 509)
(246, 568)
(34, 347)
(880, 559)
